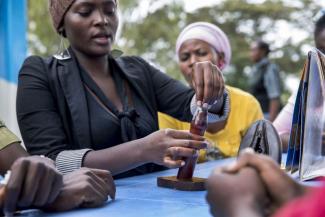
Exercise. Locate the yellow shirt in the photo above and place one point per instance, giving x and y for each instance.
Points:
(244, 110)
(6, 136)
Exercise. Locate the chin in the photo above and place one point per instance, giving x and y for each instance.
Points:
(100, 52)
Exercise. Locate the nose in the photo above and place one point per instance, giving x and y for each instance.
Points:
(192, 60)
(100, 18)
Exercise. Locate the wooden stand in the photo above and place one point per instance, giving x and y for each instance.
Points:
(184, 180)
(193, 184)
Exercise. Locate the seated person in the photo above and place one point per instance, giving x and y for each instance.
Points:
(255, 186)
(88, 108)
(206, 42)
(35, 183)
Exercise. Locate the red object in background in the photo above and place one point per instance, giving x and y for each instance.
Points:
(198, 126)
(310, 205)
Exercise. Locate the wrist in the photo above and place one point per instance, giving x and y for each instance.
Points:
(47, 161)
(141, 150)
(218, 111)
(245, 206)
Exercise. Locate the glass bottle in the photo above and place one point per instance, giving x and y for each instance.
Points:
(199, 125)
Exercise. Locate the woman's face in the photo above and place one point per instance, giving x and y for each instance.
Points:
(194, 50)
(91, 25)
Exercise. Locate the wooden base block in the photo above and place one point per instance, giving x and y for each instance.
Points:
(194, 184)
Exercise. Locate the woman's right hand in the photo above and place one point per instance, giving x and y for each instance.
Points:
(168, 147)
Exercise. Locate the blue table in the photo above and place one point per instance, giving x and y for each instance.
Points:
(140, 196)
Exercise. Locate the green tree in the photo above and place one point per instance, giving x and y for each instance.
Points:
(153, 35)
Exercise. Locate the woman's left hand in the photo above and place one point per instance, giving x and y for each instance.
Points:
(207, 81)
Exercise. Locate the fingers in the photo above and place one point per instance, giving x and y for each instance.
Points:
(170, 163)
(180, 152)
(207, 81)
(15, 185)
(182, 134)
(279, 185)
(198, 81)
(215, 91)
(189, 144)
(261, 163)
(57, 185)
(108, 179)
(221, 82)
(209, 84)
(45, 188)
(32, 182)
(175, 156)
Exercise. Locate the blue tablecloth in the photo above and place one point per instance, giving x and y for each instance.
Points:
(140, 196)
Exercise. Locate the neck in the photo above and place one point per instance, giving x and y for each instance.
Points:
(95, 65)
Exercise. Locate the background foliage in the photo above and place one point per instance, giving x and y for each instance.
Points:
(152, 33)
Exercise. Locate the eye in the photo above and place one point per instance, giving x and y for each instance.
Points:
(110, 9)
(184, 57)
(84, 12)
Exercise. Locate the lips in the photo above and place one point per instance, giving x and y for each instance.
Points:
(102, 38)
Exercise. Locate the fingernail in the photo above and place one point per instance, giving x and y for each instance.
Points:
(205, 105)
(231, 166)
(248, 150)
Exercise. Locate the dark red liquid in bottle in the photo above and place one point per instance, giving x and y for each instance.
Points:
(198, 126)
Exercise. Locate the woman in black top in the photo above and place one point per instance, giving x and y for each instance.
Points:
(97, 111)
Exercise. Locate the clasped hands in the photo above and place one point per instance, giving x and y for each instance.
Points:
(254, 185)
(35, 183)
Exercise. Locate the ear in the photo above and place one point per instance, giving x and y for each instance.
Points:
(62, 32)
(221, 60)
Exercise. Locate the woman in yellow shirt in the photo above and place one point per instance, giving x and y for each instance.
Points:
(200, 42)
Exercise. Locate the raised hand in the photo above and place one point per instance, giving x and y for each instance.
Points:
(207, 81)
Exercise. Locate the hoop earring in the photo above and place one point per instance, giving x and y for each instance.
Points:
(63, 52)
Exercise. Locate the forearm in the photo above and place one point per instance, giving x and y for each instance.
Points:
(117, 159)
(274, 108)
(9, 154)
